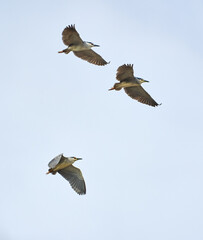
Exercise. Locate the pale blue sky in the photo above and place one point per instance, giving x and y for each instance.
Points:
(142, 165)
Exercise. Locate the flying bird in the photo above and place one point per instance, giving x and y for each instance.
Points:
(63, 165)
(80, 48)
(132, 85)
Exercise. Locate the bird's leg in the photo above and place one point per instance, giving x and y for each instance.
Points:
(65, 51)
(51, 171)
(117, 87)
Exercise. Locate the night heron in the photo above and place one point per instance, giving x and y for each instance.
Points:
(80, 48)
(132, 85)
(63, 165)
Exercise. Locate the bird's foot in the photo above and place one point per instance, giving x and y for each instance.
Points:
(111, 88)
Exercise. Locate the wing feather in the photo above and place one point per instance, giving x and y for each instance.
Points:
(71, 36)
(125, 72)
(75, 178)
(91, 57)
(140, 95)
(55, 161)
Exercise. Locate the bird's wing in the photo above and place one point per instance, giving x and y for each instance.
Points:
(71, 36)
(75, 178)
(125, 71)
(55, 161)
(140, 95)
(91, 57)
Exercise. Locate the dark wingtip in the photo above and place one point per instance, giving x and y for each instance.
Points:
(128, 65)
(158, 104)
(82, 193)
(71, 26)
(103, 64)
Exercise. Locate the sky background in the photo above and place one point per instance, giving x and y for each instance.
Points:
(142, 165)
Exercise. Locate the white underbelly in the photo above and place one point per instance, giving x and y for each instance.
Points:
(78, 48)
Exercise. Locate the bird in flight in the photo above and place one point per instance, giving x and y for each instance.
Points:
(63, 165)
(132, 85)
(80, 48)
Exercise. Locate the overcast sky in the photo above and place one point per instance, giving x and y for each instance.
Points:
(142, 165)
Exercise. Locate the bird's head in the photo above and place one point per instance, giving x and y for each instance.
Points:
(73, 159)
(141, 80)
(90, 44)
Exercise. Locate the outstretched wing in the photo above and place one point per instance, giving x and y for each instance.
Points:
(140, 95)
(55, 161)
(71, 36)
(75, 178)
(125, 72)
(91, 57)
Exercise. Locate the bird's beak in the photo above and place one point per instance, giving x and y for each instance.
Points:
(111, 88)
(96, 45)
(79, 158)
(145, 80)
